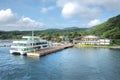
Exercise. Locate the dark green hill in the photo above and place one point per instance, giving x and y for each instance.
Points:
(108, 29)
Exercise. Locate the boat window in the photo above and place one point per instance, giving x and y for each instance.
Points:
(45, 46)
(43, 42)
(36, 39)
(31, 43)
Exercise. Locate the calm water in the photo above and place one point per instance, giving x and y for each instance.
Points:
(69, 64)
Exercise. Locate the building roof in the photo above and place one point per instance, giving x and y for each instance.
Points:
(90, 36)
(30, 37)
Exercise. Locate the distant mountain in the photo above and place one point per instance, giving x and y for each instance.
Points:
(48, 33)
(74, 29)
(54, 29)
(108, 29)
(66, 29)
(71, 28)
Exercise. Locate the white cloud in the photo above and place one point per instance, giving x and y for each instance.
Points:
(27, 22)
(9, 21)
(91, 23)
(46, 9)
(69, 10)
(7, 15)
(107, 4)
(87, 8)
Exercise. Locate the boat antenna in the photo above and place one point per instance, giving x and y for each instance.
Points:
(32, 34)
(32, 37)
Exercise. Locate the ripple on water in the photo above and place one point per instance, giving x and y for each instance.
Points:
(68, 64)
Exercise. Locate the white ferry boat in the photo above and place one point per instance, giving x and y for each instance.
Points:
(28, 44)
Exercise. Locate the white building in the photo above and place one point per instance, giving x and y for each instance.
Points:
(91, 39)
(104, 41)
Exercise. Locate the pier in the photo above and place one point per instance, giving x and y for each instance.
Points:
(49, 50)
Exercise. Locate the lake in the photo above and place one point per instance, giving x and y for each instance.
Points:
(69, 64)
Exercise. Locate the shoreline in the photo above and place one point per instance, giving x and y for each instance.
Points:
(92, 46)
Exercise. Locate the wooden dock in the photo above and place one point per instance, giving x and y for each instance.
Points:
(49, 50)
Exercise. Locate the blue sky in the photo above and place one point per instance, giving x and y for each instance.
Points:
(44, 14)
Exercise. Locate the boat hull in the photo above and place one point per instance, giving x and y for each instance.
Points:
(18, 52)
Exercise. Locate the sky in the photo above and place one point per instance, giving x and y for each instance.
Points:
(24, 15)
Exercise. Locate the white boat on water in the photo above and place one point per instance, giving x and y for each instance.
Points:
(28, 44)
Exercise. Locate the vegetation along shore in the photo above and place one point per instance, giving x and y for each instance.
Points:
(96, 46)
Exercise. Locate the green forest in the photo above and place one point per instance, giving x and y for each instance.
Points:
(47, 34)
(109, 29)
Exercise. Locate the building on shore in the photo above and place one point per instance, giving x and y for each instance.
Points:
(91, 40)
